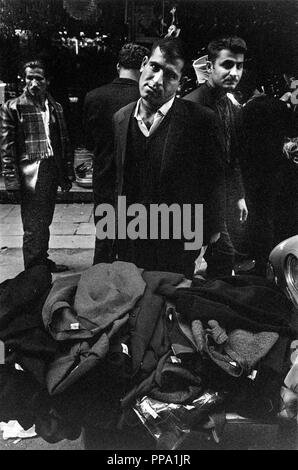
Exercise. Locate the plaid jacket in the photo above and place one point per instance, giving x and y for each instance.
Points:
(23, 141)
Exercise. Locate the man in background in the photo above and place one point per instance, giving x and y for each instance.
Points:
(36, 159)
(271, 179)
(99, 107)
(225, 68)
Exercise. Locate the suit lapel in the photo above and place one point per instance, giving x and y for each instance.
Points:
(123, 123)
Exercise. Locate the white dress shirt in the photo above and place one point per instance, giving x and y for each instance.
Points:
(158, 117)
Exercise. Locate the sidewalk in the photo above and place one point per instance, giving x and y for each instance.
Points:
(76, 194)
(71, 242)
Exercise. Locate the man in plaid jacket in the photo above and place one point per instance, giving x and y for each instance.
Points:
(36, 159)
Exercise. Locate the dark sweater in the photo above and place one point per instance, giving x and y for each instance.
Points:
(142, 186)
(143, 160)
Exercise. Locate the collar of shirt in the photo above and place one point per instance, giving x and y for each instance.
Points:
(158, 117)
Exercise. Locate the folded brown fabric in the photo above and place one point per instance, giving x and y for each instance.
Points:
(82, 306)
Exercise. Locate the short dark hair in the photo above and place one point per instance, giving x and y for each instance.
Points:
(172, 48)
(34, 64)
(131, 56)
(233, 43)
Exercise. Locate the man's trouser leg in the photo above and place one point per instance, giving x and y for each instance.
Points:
(37, 210)
(103, 250)
(262, 234)
(265, 194)
(220, 256)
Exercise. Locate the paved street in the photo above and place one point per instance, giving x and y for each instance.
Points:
(71, 242)
(69, 220)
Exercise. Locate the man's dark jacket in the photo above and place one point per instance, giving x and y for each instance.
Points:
(207, 96)
(99, 107)
(16, 127)
(191, 170)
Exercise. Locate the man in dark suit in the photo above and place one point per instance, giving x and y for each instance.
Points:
(271, 179)
(225, 67)
(166, 151)
(99, 107)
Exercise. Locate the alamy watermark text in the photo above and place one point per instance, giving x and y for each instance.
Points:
(154, 222)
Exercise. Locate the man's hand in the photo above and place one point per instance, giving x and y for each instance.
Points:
(12, 195)
(214, 238)
(243, 212)
(286, 97)
(66, 186)
(71, 176)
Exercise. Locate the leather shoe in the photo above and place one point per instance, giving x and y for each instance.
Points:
(57, 268)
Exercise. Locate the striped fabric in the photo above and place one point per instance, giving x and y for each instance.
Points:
(36, 145)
